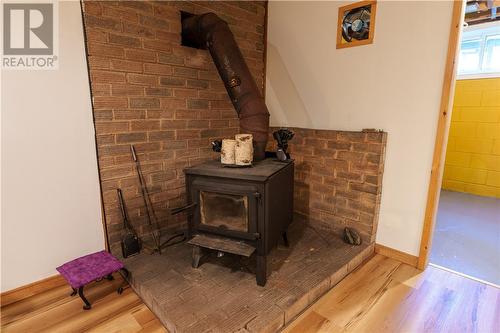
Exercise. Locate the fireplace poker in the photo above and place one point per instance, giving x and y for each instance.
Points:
(147, 199)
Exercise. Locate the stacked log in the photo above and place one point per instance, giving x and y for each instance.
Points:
(244, 149)
(227, 153)
(238, 151)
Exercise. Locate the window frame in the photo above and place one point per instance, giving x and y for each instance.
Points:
(482, 32)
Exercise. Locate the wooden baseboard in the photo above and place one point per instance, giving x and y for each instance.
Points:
(31, 289)
(396, 254)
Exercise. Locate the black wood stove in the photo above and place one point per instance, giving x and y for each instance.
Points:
(242, 211)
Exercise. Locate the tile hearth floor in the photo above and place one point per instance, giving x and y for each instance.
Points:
(222, 295)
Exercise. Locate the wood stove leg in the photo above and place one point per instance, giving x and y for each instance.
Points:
(196, 256)
(261, 271)
(285, 239)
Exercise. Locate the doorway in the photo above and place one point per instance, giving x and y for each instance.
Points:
(466, 236)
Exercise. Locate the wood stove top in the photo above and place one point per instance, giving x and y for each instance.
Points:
(259, 171)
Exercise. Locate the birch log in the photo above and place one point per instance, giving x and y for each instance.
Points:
(244, 149)
(227, 151)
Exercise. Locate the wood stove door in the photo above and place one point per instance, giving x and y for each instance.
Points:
(225, 208)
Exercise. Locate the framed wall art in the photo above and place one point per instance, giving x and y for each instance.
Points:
(356, 24)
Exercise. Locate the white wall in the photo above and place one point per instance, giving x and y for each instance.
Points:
(393, 84)
(50, 192)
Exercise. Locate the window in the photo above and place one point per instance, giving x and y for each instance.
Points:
(480, 51)
(491, 59)
(470, 52)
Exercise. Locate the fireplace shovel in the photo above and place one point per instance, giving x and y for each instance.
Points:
(130, 242)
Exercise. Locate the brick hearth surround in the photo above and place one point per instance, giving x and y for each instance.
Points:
(338, 178)
(169, 101)
(166, 99)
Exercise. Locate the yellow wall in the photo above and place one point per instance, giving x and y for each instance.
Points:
(473, 154)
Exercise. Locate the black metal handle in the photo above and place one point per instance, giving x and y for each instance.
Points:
(120, 201)
(123, 210)
(134, 156)
(178, 210)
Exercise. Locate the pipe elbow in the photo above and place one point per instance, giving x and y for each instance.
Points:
(210, 31)
(209, 19)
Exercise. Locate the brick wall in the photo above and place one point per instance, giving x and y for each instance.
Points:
(166, 99)
(338, 178)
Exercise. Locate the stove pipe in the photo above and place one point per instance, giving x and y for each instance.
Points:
(208, 31)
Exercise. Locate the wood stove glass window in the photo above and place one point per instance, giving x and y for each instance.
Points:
(225, 211)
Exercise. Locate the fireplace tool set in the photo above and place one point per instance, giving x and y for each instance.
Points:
(131, 243)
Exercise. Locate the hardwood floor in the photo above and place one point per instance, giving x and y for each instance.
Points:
(383, 295)
(56, 311)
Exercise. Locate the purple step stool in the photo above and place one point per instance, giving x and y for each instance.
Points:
(91, 267)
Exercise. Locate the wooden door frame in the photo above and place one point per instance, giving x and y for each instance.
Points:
(442, 133)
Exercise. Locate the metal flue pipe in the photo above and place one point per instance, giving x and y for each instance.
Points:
(208, 31)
